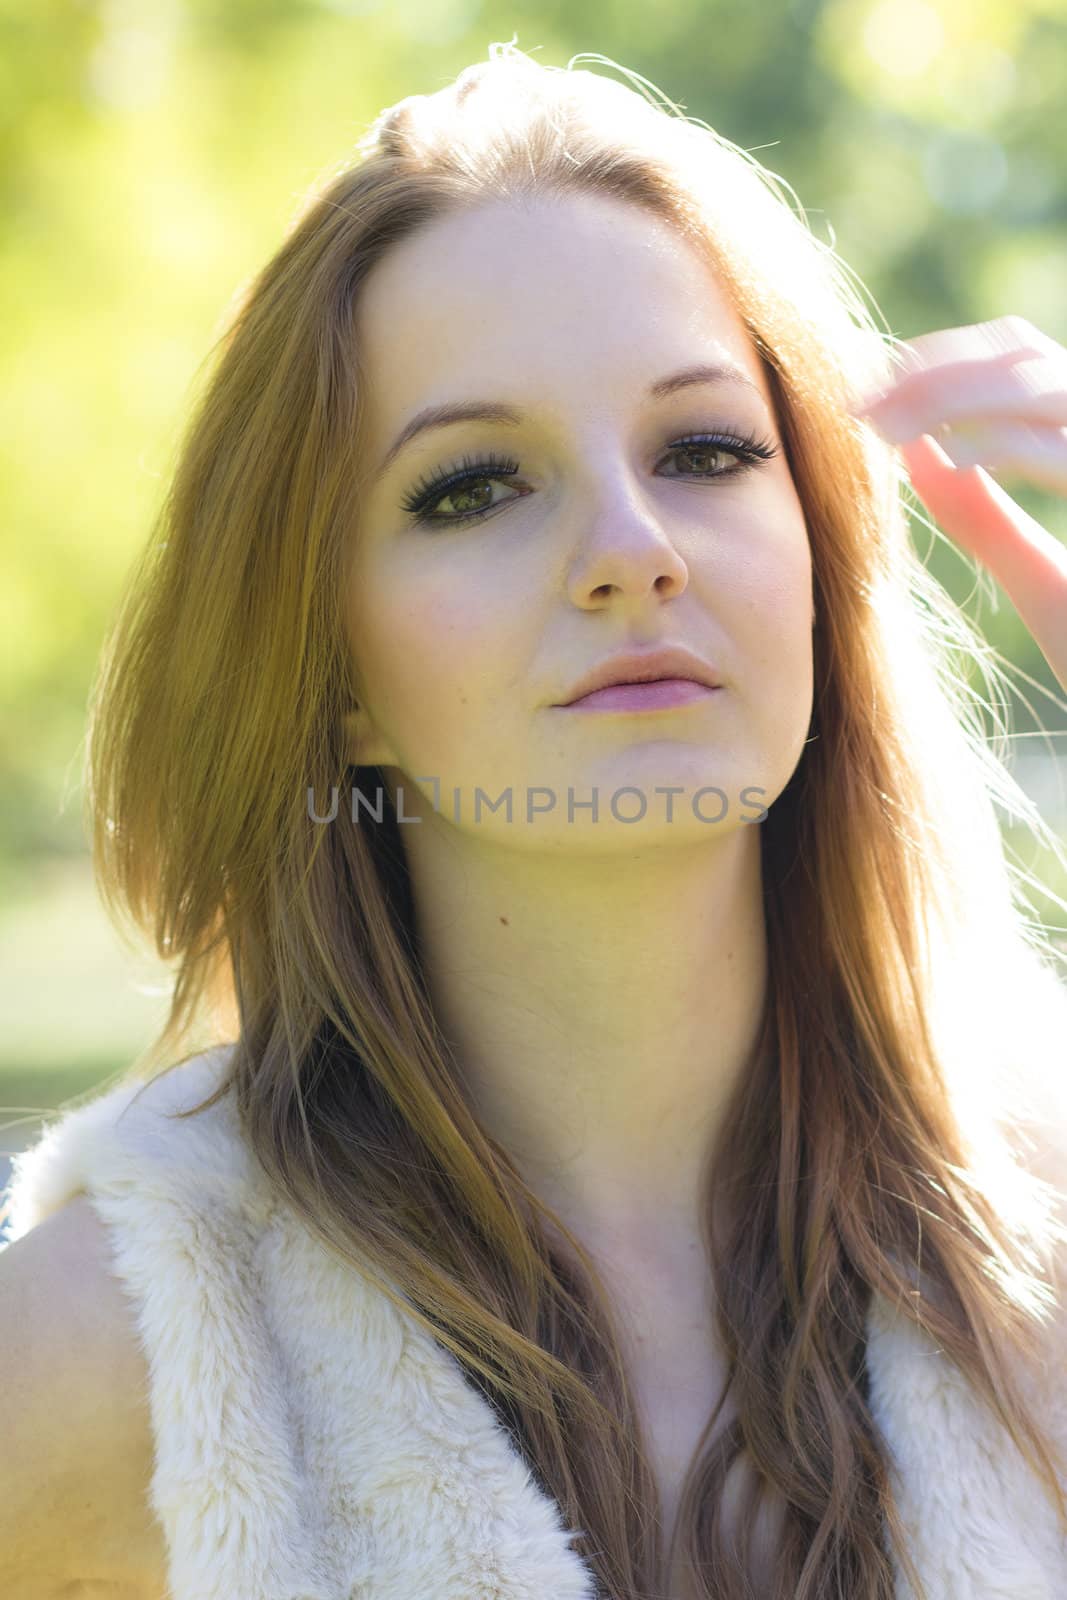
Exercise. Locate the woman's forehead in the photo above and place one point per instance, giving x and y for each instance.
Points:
(537, 307)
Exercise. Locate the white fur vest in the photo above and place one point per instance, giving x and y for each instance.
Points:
(312, 1443)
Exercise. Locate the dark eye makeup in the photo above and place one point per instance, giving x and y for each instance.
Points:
(749, 450)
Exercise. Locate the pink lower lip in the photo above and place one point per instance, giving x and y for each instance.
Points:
(656, 696)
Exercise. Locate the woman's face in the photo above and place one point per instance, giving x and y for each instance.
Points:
(598, 533)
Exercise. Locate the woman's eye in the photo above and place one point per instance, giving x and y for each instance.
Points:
(703, 454)
(468, 499)
(463, 485)
(469, 489)
(746, 450)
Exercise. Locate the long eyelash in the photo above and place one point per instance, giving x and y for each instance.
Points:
(438, 484)
(473, 469)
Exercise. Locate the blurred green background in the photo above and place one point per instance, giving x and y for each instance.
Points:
(151, 155)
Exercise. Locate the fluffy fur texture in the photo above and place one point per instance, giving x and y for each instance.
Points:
(311, 1444)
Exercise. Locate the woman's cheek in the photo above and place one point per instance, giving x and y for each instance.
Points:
(773, 579)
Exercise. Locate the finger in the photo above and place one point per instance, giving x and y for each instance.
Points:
(1029, 389)
(1003, 340)
(993, 340)
(1028, 562)
(1010, 449)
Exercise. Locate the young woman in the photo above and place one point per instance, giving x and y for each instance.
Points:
(632, 1157)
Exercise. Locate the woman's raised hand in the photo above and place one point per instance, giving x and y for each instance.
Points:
(988, 398)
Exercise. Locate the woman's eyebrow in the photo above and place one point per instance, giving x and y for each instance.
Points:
(498, 411)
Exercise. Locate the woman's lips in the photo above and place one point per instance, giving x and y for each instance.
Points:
(659, 695)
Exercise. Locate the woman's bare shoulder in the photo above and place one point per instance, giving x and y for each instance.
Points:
(74, 1415)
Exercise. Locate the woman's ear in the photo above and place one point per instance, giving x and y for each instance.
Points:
(351, 726)
(363, 746)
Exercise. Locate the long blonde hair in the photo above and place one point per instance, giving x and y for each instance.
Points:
(859, 1145)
